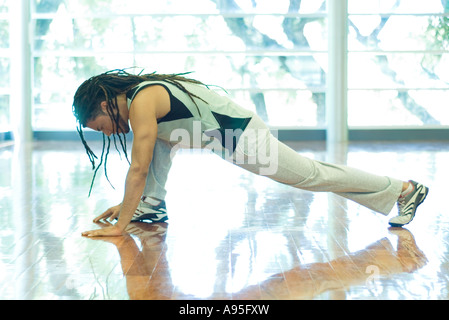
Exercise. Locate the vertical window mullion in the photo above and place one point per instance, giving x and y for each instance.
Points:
(20, 70)
(337, 78)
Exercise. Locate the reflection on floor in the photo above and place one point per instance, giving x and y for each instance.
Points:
(231, 234)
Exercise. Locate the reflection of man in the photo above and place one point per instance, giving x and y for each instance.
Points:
(308, 281)
(144, 269)
(148, 276)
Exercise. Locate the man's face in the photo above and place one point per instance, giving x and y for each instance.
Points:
(103, 123)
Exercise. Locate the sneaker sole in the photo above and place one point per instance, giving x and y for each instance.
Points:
(421, 200)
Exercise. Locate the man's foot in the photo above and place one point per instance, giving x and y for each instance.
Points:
(149, 210)
(407, 204)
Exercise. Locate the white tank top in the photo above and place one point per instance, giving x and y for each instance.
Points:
(195, 126)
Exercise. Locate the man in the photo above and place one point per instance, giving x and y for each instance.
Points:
(160, 108)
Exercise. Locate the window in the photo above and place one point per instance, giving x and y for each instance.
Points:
(398, 63)
(5, 119)
(267, 55)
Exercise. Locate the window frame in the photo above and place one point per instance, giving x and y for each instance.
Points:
(423, 132)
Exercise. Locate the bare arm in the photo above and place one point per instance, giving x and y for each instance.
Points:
(150, 104)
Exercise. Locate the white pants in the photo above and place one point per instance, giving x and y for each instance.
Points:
(258, 151)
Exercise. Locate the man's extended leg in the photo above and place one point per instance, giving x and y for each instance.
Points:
(379, 193)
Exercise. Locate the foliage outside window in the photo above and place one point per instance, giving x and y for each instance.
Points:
(398, 63)
(269, 56)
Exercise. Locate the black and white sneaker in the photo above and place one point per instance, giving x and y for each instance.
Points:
(147, 211)
(407, 205)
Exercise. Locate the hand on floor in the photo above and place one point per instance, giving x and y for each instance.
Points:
(107, 230)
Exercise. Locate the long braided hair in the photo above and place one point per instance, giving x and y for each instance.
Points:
(106, 87)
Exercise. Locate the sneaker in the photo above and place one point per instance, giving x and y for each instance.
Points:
(146, 211)
(407, 205)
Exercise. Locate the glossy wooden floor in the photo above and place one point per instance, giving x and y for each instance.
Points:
(231, 234)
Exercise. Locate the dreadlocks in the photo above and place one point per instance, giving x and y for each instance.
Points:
(106, 87)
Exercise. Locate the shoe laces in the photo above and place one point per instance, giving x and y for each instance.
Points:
(402, 201)
(401, 204)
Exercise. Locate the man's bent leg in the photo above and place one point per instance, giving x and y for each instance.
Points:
(152, 205)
